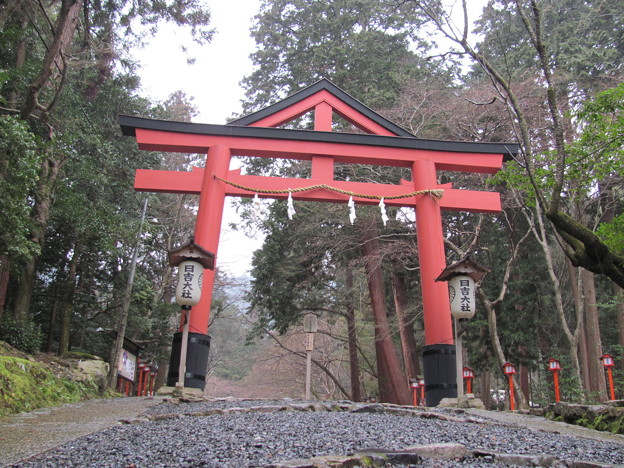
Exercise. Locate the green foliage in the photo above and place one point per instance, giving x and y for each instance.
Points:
(19, 172)
(288, 275)
(612, 233)
(26, 385)
(361, 45)
(23, 336)
(611, 421)
(583, 38)
(231, 357)
(599, 156)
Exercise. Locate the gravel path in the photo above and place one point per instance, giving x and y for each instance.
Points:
(263, 433)
(27, 434)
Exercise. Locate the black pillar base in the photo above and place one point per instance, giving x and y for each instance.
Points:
(440, 373)
(196, 360)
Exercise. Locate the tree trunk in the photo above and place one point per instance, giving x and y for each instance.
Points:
(498, 348)
(572, 336)
(41, 214)
(619, 296)
(406, 327)
(523, 375)
(354, 366)
(5, 265)
(51, 328)
(122, 322)
(23, 293)
(20, 57)
(393, 386)
(574, 279)
(9, 6)
(67, 305)
(484, 388)
(54, 58)
(592, 335)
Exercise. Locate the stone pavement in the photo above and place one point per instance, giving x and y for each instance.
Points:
(26, 434)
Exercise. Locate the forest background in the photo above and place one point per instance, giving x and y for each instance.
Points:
(547, 74)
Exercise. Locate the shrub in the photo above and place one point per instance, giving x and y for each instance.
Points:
(26, 337)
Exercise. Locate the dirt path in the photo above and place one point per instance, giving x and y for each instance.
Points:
(26, 434)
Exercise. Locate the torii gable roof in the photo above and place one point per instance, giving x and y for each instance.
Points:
(304, 100)
(261, 125)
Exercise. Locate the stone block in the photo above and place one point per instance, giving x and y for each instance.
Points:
(447, 451)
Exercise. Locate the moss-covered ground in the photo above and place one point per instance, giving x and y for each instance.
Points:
(26, 385)
(598, 417)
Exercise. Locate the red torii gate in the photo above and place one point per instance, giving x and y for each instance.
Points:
(383, 144)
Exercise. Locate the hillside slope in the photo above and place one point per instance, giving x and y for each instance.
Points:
(30, 382)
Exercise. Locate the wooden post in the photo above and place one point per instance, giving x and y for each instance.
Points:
(459, 368)
(611, 389)
(309, 348)
(512, 395)
(186, 312)
(556, 383)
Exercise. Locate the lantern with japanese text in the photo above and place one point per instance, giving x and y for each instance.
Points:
(188, 292)
(553, 365)
(461, 278)
(509, 369)
(607, 360)
(191, 261)
(462, 294)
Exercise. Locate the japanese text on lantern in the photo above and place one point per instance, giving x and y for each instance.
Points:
(464, 291)
(189, 275)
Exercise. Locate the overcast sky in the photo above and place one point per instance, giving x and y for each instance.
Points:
(213, 80)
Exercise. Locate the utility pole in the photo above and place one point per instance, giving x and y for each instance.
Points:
(122, 323)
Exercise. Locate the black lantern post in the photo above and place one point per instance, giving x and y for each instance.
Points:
(191, 260)
(461, 277)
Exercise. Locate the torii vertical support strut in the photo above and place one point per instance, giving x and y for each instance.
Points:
(208, 225)
(439, 360)
(384, 144)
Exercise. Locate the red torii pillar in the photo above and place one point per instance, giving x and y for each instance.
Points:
(221, 142)
(208, 227)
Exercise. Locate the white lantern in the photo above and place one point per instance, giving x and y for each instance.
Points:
(462, 294)
(190, 275)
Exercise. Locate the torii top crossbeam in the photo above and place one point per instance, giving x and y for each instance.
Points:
(384, 144)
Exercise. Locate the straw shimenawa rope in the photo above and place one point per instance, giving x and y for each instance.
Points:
(435, 193)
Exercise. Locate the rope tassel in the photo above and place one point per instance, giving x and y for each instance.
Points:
(384, 215)
(257, 207)
(351, 206)
(291, 207)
